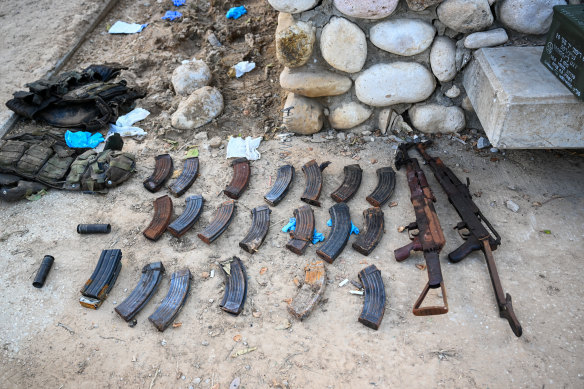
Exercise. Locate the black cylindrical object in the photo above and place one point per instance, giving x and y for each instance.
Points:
(43, 272)
(94, 228)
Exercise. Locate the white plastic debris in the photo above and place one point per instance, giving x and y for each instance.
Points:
(243, 67)
(483, 143)
(343, 282)
(124, 123)
(120, 27)
(239, 147)
(358, 292)
(212, 273)
(512, 206)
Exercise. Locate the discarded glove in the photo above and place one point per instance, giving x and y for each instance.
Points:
(354, 229)
(243, 67)
(178, 3)
(238, 147)
(124, 124)
(291, 226)
(82, 139)
(172, 15)
(236, 12)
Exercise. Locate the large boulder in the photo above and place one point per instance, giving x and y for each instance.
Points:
(398, 82)
(293, 6)
(204, 105)
(366, 9)
(443, 59)
(314, 82)
(349, 115)
(190, 76)
(403, 36)
(343, 45)
(294, 44)
(527, 16)
(302, 115)
(434, 118)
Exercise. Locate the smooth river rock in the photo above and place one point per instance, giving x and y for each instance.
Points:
(434, 118)
(495, 37)
(314, 82)
(420, 5)
(343, 45)
(527, 16)
(204, 105)
(402, 36)
(349, 115)
(465, 15)
(306, 117)
(191, 76)
(366, 9)
(285, 20)
(443, 58)
(293, 6)
(398, 82)
(294, 44)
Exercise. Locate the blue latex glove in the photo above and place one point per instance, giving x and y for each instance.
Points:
(82, 139)
(354, 229)
(178, 3)
(236, 12)
(172, 15)
(317, 237)
(291, 226)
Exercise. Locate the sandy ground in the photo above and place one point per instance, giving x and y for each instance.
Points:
(49, 340)
(35, 34)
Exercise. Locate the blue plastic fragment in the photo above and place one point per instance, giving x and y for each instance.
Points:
(236, 12)
(291, 226)
(354, 229)
(178, 3)
(317, 237)
(172, 15)
(82, 139)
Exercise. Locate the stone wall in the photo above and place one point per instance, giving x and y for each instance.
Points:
(388, 64)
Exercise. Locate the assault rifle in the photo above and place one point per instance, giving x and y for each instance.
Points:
(472, 230)
(429, 239)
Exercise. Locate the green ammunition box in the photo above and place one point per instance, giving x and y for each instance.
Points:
(563, 54)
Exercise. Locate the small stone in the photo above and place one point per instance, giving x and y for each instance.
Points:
(527, 16)
(205, 275)
(465, 15)
(402, 36)
(434, 118)
(494, 150)
(163, 342)
(201, 135)
(306, 117)
(293, 6)
(197, 381)
(443, 59)
(466, 104)
(200, 108)
(191, 76)
(384, 118)
(491, 38)
(453, 92)
(512, 206)
(285, 20)
(420, 5)
(483, 143)
(343, 45)
(314, 83)
(349, 115)
(294, 44)
(366, 133)
(205, 343)
(398, 82)
(183, 377)
(341, 136)
(215, 142)
(366, 9)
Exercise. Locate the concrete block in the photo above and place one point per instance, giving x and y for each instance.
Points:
(520, 104)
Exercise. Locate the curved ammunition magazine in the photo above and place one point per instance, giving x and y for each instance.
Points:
(162, 215)
(374, 305)
(102, 280)
(220, 222)
(188, 175)
(149, 281)
(164, 315)
(302, 235)
(350, 185)
(385, 187)
(260, 224)
(235, 287)
(340, 232)
(281, 185)
(313, 177)
(374, 226)
(241, 173)
(162, 172)
(183, 223)
(311, 291)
